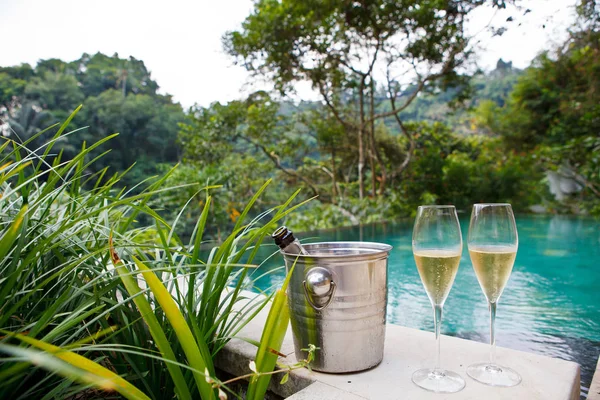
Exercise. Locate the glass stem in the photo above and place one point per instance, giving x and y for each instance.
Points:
(437, 310)
(492, 307)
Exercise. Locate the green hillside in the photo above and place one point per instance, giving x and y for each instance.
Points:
(495, 86)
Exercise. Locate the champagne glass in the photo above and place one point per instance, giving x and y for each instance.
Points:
(437, 246)
(493, 243)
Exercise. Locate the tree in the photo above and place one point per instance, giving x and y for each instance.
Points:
(118, 96)
(29, 120)
(12, 86)
(341, 47)
(98, 73)
(147, 127)
(554, 109)
(253, 128)
(55, 91)
(244, 142)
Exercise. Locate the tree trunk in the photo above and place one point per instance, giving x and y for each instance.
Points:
(335, 192)
(373, 174)
(409, 152)
(361, 163)
(372, 142)
(361, 150)
(405, 132)
(382, 168)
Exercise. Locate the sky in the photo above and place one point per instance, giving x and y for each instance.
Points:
(180, 40)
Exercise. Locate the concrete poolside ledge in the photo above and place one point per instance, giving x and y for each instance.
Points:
(594, 392)
(407, 350)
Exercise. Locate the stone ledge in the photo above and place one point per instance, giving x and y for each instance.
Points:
(594, 392)
(319, 390)
(407, 350)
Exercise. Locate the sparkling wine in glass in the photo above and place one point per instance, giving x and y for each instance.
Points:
(437, 246)
(493, 243)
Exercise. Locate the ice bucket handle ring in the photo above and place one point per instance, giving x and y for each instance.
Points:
(319, 285)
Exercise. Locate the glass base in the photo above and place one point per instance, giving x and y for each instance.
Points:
(438, 380)
(494, 375)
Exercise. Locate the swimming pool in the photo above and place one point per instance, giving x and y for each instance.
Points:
(551, 305)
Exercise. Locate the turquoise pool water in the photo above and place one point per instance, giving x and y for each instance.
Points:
(551, 305)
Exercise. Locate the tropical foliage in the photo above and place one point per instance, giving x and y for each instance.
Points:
(89, 294)
(119, 96)
(553, 113)
(125, 279)
(375, 145)
(340, 47)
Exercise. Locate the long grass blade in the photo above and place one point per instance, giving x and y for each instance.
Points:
(154, 326)
(55, 365)
(272, 339)
(14, 171)
(60, 131)
(109, 380)
(190, 346)
(7, 240)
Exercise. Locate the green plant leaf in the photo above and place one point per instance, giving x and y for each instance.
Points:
(182, 330)
(284, 379)
(271, 339)
(98, 375)
(154, 326)
(11, 234)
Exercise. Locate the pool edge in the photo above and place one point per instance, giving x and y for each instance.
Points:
(594, 392)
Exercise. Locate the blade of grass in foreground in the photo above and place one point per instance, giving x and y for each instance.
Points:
(182, 330)
(153, 325)
(12, 233)
(195, 255)
(82, 369)
(7, 175)
(44, 360)
(271, 341)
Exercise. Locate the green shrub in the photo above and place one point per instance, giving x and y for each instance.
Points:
(60, 292)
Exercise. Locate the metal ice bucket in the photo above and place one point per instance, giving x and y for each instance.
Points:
(338, 298)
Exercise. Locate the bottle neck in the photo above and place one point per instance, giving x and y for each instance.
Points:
(284, 238)
(294, 248)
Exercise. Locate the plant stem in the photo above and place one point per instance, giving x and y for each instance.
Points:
(492, 307)
(250, 375)
(289, 368)
(437, 310)
(274, 372)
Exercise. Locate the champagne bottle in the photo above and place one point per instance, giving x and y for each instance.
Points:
(284, 238)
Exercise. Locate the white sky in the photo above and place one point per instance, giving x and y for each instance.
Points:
(180, 40)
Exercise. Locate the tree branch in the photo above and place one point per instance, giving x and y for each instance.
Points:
(353, 219)
(581, 180)
(332, 176)
(277, 162)
(332, 108)
(407, 134)
(445, 69)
